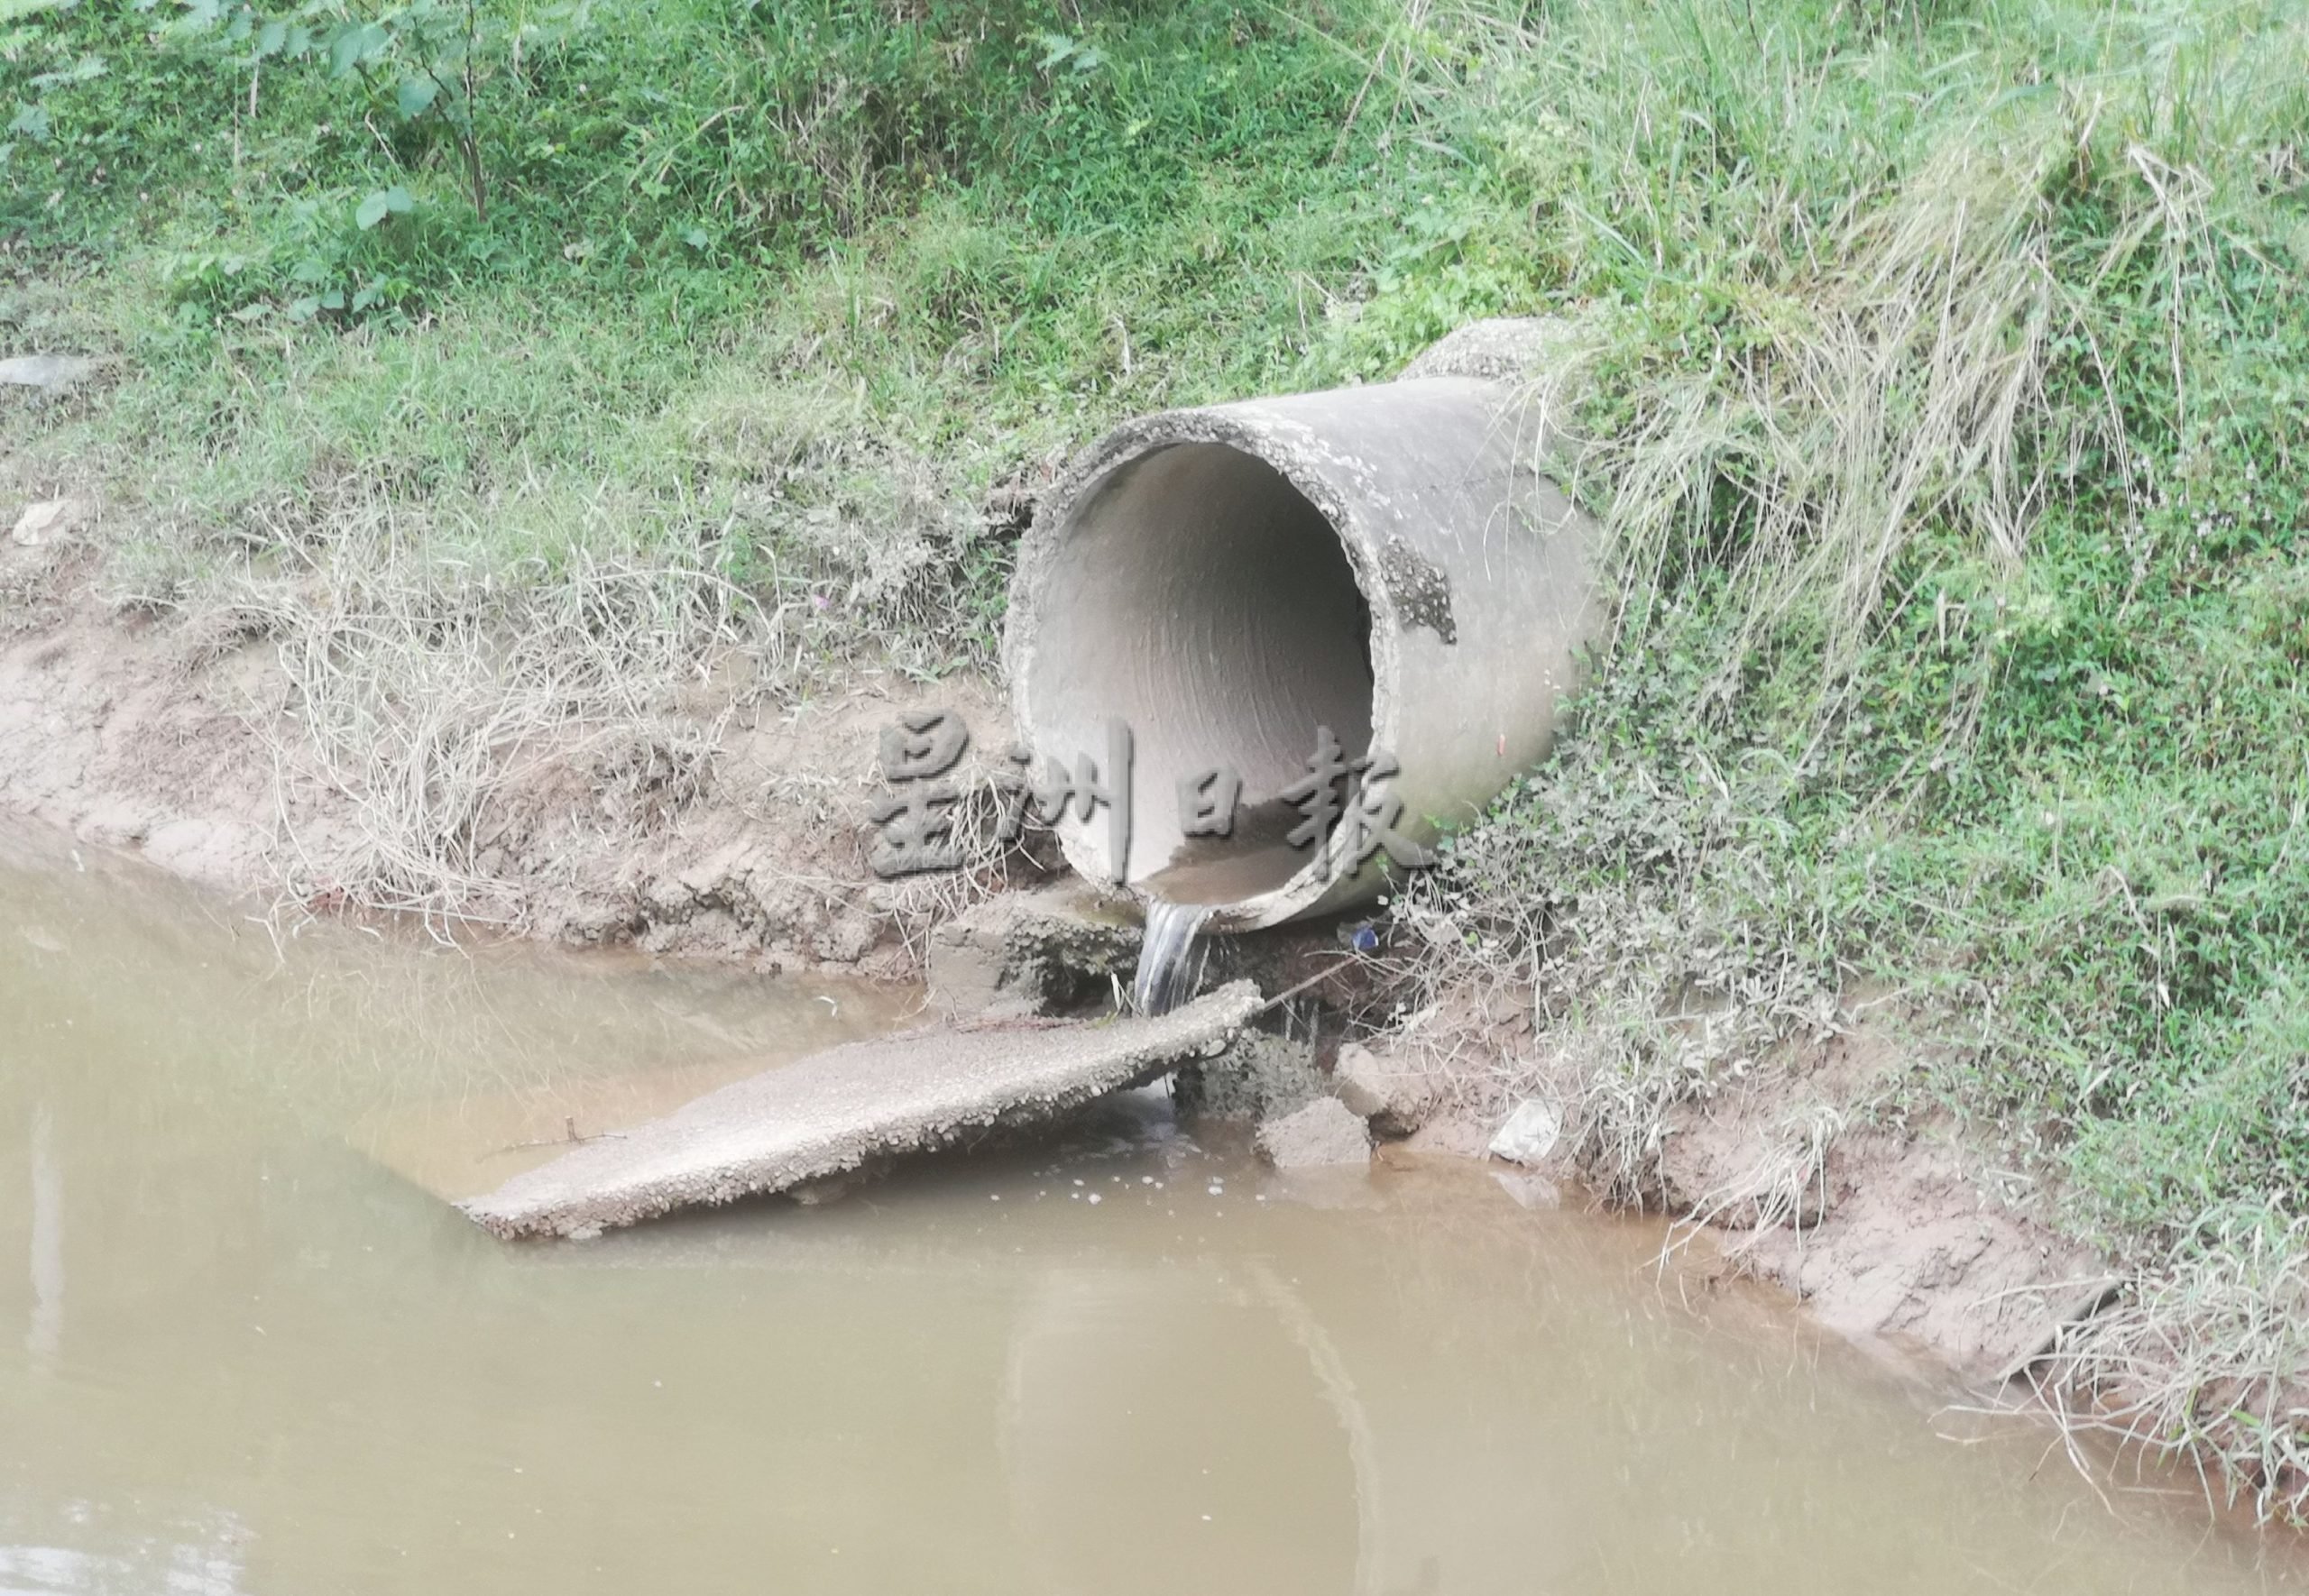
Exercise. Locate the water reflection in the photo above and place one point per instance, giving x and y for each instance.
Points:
(48, 1241)
(1129, 1363)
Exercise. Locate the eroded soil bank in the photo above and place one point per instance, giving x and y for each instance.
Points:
(174, 741)
(722, 824)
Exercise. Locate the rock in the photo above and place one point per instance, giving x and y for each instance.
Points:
(1396, 1101)
(52, 373)
(1325, 1132)
(1040, 952)
(1530, 1133)
(48, 520)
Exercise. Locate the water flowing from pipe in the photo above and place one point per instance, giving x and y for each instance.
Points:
(1171, 957)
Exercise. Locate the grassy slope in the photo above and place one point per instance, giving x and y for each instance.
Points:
(1950, 396)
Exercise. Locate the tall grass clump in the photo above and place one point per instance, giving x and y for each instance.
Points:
(1943, 401)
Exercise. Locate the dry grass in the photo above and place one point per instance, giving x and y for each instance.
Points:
(419, 692)
(1865, 316)
(2204, 1363)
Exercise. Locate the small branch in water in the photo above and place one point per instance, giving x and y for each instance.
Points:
(568, 1138)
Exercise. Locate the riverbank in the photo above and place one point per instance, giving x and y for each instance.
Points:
(490, 498)
(1812, 1167)
(691, 817)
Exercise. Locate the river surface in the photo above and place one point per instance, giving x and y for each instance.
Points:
(246, 1348)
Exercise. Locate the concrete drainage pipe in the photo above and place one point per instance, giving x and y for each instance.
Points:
(1383, 562)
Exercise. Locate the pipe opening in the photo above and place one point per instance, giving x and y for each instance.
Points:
(1198, 596)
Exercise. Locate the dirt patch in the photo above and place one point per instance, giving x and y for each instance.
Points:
(1886, 1228)
(732, 826)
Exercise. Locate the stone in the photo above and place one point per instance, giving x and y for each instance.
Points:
(46, 520)
(1325, 1133)
(1530, 1134)
(52, 373)
(1396, 1101)
(1043, 952)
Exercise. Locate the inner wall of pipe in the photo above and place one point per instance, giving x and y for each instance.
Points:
(1199, 596)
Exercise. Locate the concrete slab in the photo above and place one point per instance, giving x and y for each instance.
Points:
(835, 1110)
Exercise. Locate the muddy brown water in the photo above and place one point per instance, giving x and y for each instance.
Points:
(244, 1349)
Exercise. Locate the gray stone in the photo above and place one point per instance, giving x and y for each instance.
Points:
(1041, 952)
(835, 1111)
(48, 520)
(1323, 1134)
(1530, 1133)
(1396, 1101)
(52, 373)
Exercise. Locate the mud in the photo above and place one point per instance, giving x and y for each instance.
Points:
(1890, 1232)
(164, 736)
(157, 735)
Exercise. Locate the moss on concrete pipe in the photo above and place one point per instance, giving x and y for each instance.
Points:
(1385, 561)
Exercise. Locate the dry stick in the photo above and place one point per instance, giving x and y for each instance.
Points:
(1288, 992)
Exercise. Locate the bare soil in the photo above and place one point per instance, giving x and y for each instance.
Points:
(161, 735)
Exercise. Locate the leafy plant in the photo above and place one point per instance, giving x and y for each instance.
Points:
(428, 63)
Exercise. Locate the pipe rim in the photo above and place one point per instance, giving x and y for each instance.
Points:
(1262, 437)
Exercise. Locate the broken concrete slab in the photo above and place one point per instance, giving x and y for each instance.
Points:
(1326, 1132)
(1038, 952)
(836, 1110)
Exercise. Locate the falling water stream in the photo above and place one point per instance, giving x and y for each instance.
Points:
(1171, 956)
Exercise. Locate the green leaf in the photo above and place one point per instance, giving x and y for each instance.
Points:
(415, 96)
(695, 238)
(12, 10)
(354, 43)
(393, 201)
(271, 37)
(32, 121)
(87, 68)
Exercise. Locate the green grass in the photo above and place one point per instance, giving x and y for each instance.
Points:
(746, 270)
(1948, 402)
